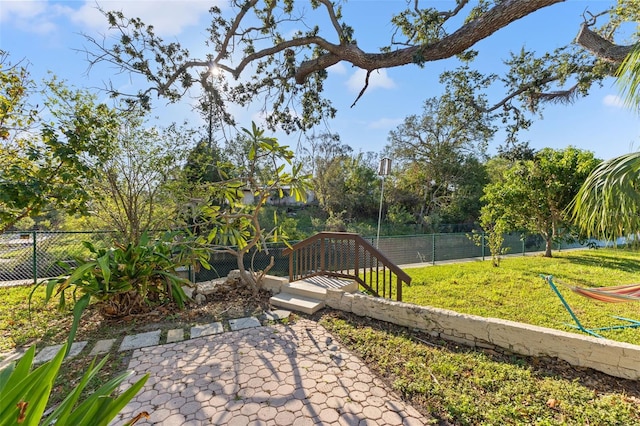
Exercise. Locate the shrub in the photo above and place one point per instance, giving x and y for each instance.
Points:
(24, 393)
(125, 279)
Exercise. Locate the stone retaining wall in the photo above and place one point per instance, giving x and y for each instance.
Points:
(613, 358)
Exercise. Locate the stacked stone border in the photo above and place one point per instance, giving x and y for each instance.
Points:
(614, 358)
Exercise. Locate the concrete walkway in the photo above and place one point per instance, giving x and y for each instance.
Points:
(270, 375)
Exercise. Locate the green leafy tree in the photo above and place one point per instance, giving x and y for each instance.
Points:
(235, 226)
(437, 159)
(322, 157)
(49, 164)
(534, 194)
(362, 186)
(134, 192)
(203, 162)
(16, 114)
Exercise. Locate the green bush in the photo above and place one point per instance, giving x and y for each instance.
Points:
(125, 279)
(24, 393)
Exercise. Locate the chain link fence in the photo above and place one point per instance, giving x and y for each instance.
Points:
(26, 257)
(33, 255)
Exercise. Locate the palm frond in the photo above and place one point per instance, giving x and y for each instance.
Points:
(629, 79)
(608, 203)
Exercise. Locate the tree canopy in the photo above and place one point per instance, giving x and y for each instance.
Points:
(438, 156)
(46, 163)
(261, 41)
(534, 194)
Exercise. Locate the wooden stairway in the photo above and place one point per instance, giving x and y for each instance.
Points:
(337, 260)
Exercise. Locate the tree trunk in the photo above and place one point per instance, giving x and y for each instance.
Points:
(247, 277)
(548, 246)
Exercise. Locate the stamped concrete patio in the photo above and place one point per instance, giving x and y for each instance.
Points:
(270, 375)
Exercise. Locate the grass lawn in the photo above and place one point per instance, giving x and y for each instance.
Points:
(515, 291)
(461, 386)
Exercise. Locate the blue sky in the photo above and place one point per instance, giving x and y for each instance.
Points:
(47, 34)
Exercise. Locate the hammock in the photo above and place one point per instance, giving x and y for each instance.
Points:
(615, 294)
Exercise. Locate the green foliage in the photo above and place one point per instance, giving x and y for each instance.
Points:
(24, 392)
(139, 186)
(202, 163)
(492, 239)
(125, 279)
(438, 153)
(234, 227)
(288, 67)
(629, 79)
(398, 215)
(534, 194)
(607, 203)
(52, 166)
(349, 184)
(15, 111)
(335, 222)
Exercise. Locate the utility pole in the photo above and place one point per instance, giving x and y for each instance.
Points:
(383, 170)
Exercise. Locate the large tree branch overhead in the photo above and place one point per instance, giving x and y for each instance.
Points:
(286, 51)
(469, 34)
(601, 47)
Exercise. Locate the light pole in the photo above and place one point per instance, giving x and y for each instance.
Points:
(383, 170)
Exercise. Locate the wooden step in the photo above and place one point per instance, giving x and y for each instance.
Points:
(296, 302)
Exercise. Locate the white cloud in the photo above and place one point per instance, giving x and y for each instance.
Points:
(338, 68)
(385, 123)
(31, 16)
(169, 18)
(20, 10)
(613, 101)
(378, 78)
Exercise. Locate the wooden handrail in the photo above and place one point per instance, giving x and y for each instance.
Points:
(346, 255)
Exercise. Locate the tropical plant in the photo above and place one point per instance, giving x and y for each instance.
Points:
(235, 224)
(607, 204)
(24, 393)
(126, 279)
(629, 79)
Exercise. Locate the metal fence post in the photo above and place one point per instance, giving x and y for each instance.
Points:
(35, 258)
(523, 247)
(484, 243)
(433, 249)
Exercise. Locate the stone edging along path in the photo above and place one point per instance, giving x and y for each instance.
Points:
(150, 338)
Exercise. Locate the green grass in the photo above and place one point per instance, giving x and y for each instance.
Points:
(20, 327)
(469, 387)
(515, 291)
